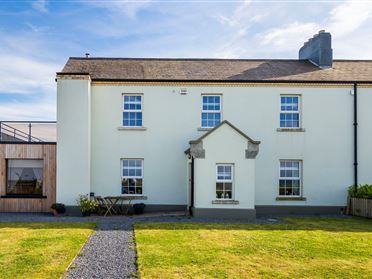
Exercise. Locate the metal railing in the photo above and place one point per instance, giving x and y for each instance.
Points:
(28, 131)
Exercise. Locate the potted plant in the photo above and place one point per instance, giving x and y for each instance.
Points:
(87, 206)
(138, 208)
(58, 208)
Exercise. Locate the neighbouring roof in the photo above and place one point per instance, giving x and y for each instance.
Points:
(151, 69)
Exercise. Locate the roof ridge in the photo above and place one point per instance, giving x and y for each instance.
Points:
(180, 59)
(208, 59)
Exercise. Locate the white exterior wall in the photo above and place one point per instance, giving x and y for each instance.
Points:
(171, 120)
(225, 146)
(365, 135)
(73, 139)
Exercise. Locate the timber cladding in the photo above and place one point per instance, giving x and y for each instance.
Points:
(46, 152)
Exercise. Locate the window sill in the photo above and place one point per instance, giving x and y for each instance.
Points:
(23, 197)
(225, 202)
(134, 196)
(200, 129)
(290, 130)
(122, 128)
(290, 198)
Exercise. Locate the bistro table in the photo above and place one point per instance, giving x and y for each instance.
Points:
(112, 201)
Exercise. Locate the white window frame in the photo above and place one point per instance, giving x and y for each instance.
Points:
(131, 176)
(299, 178)
(131, 110)
(209, 111)
(225, 180)
(299, 111)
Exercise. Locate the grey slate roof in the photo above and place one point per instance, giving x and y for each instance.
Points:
(217, 69)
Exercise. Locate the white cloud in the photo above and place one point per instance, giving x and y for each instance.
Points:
(289, 37)
(128, 8)
(41, 110)
(235, 38)
(25, 75)
(241, 13)
(351, 19)
(40, 5)
(348, 17)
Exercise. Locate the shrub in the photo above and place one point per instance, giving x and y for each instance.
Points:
(59, 207)
(87, 206)
(362, 191)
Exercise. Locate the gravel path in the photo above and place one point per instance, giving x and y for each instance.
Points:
(109, 253)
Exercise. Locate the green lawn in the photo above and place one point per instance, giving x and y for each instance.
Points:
(302, 248)
(40, 250)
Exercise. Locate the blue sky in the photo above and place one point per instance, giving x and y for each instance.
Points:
(37, 37)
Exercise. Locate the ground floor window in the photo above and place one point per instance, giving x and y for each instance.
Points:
(24, 177)
(290, 178)
(132, 176)
(224, 181)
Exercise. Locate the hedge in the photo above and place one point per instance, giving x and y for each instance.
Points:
(362, 191)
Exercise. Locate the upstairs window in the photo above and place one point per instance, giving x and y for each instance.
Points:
(290, 178)
(132, 111)
(25, 177)
(224, 181)
(211, 111)
(289, 112)
(132, 176)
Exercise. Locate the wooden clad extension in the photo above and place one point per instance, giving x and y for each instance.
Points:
(46, 152)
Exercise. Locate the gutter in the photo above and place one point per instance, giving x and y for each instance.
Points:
(192, 186)
(355, 135)
(229, 81)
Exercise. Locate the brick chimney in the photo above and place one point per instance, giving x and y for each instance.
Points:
(318, 50)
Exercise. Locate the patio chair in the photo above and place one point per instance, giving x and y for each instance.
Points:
(104, 207)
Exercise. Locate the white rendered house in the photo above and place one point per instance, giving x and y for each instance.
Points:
(230, 138)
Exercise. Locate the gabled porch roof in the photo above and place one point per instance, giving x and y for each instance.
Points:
(252, 144)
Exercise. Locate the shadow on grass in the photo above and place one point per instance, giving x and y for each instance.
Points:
(354, 224)
(47, 225)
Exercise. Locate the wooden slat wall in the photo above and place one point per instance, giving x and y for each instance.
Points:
(47, 152)
(361, 207)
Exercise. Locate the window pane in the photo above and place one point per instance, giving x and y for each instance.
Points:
(291, 184)
(228, 186)
(132, 176)
(228, 195)
(132, 115)
(289, 116)
(296, 191)
(211, 116)
(25, 177)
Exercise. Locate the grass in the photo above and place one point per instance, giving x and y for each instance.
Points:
(40, 250)
(301, 248)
